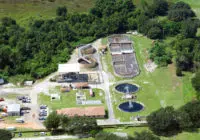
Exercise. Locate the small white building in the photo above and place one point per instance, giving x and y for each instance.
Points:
(55, 97)
(28, 83)
(67, 68)
(2, 81)
(13, 110)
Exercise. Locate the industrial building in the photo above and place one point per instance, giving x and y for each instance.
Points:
(13, 109)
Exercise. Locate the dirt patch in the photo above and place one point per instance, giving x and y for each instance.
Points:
(23, 125)
(150, 66)
(175, 81)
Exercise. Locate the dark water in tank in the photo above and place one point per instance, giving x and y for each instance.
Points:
(127, 88)
(135, 107)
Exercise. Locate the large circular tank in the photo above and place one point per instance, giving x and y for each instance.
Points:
(127, 88)
(87, 62)
(89, 50)
(131, 106)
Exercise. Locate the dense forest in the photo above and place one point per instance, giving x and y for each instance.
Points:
(34, 52)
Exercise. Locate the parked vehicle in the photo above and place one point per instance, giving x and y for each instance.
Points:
(25, 108)
(3, 114)
(20, 97)
(41, 111)
(1, 99)
(43, 114)
(43, 133)
(26, 101)
(42, 118)
(20, 120)
(43, 106)
(11, 128)
(27, 98)
(25, 111)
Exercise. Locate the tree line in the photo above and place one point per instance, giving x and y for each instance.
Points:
(181, 24)
(168, 121)
(35, 51)
(87, 127)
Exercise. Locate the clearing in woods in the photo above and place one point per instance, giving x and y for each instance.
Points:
(24, 10)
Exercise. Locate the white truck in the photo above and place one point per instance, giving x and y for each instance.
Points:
(20, 120)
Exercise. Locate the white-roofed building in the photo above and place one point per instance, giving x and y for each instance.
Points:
(28, 83)
(67, 68)
(55, 97)
(13, 109)
(2, 81)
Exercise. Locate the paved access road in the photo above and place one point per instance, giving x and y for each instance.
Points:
(49, 138)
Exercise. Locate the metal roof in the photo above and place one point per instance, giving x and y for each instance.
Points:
(66, 68)
(13, 108)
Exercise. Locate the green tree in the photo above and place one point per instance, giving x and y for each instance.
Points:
(132, 23)
(81, 125)
(155, 33)
(161, 7)
(183, 119)
(159, 54)
(5, 134)
(185, 53)
(61, 11)
(179, 72)
(64, 121)
(171, 28)
(108, 136)
(52, 122)
(7, 21)
(164, 121)
(158, 7)
(180, 11)
(192, 109)
(189, 28)
(142, 21)
(196, 81)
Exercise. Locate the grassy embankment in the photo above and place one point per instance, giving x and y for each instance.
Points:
(26, 10)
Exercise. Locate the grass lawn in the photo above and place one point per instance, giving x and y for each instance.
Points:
(11, 119)
(106, 59)
(30, 134)
(158, 89)
(104, 41)
(68, 99)
(194, 4)
(131, 131)
(25, 10)
(11, 96)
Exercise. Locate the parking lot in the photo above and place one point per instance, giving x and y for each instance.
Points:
(31, 116)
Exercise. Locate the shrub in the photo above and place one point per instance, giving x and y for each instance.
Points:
(178, 72)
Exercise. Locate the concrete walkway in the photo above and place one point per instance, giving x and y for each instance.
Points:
(49, 138)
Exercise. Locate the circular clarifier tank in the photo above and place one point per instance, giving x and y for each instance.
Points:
(131, 106)
(127, 88)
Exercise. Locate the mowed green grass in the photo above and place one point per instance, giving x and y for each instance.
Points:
(68, 99)
(131, 131)
(158, 89)
(195, 4)
(25, 10)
